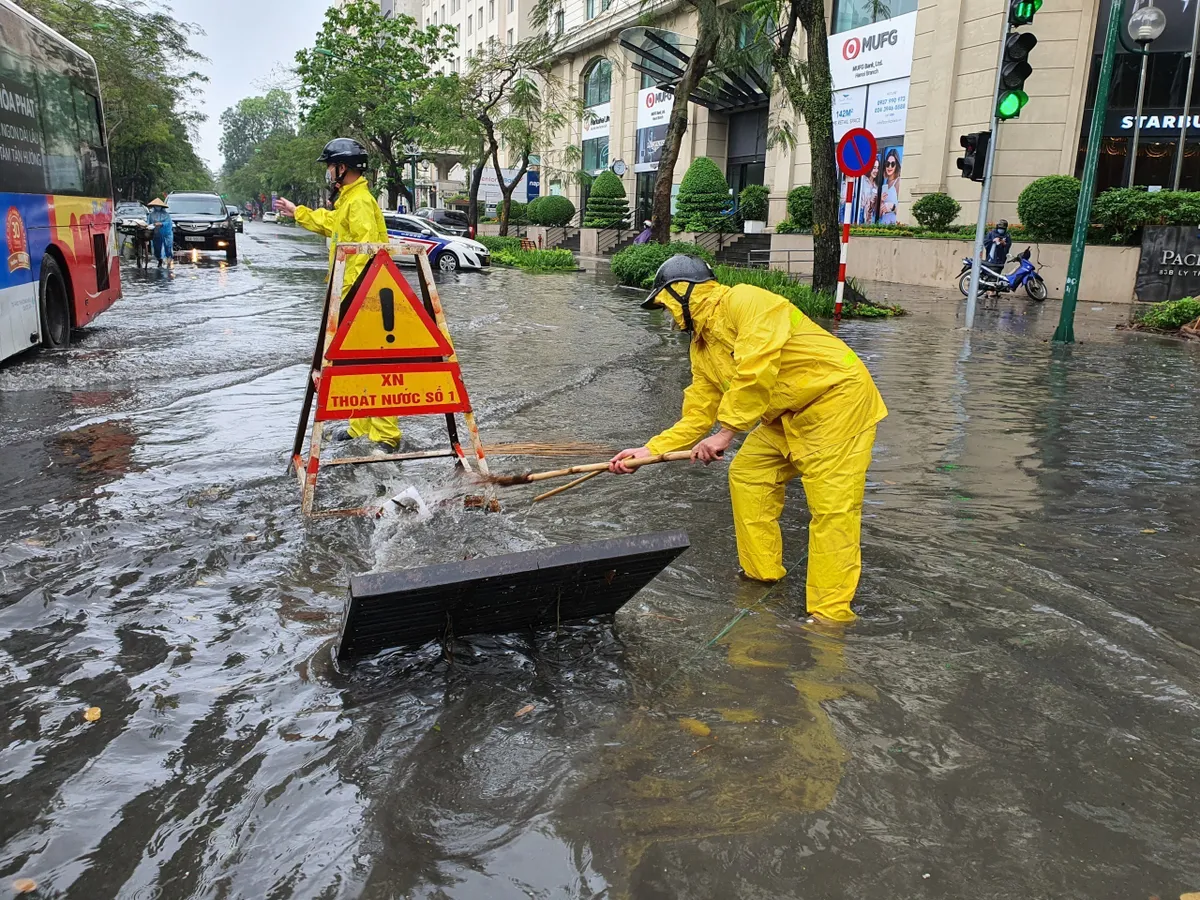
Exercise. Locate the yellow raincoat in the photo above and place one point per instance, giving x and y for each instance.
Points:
(355, 219)
(759, 361)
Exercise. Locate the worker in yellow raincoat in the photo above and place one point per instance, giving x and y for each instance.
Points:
(354, 219)
(761, 365)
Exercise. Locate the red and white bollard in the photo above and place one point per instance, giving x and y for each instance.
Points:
(841, 285)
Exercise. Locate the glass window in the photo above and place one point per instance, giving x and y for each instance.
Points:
(64, 162)
(512, 5)
(468, 24)
(591, 9)
(559, 22)
(510, 37)
(605, 4)
(597, 83)
(849, 14)
(491, 10)
(595, 154)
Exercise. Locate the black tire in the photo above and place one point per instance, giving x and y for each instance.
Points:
(964, 283)
(447, 262)
(54, 305)
(1036, 289)
(231, 253)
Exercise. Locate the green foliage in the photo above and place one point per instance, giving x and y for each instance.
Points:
(518, 213)
(284, 163)
(1123, 212)
(496, 244)
(1171, 315)
(144, 59)
(800, 208)
(753, 202)
(1047, 207)
(536, 260)
(637, 263)
(371, 81)
(787, 226)
(936, 211)
(703, 197)
(814, 304)
(532, 214)
(248, 124)
(553, 210)
(607, 206)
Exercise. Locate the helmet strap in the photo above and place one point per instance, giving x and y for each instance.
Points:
(685, 303)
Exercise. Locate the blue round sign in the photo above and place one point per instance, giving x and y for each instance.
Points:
(856, 152)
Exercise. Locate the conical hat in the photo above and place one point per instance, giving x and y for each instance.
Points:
(157, 202)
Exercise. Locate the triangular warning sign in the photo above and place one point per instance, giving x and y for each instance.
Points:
(386, 320)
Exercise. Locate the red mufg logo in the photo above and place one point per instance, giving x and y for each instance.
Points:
(850, 48)
(18, 242)
(650, 100)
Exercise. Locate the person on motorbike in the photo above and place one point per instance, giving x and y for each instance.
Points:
(996, 247)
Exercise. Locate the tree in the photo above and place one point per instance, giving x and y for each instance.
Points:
(253, 120)
(143, 58)
(284, 163)
(607, 206)
(703, 197)
(366, 77)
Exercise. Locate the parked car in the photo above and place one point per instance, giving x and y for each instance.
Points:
(270, 216)
(130, 209)
(448, 221)
(238, 221)
(448, 252)
(202, 222)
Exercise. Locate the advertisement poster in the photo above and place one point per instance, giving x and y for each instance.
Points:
(849, 111)
(877, 194)
(489, 187)
(21, 137)
(654, 110)
(887, 108)
(596, 121)
(879, 52)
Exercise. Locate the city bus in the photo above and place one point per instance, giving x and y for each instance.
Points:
(60, 267)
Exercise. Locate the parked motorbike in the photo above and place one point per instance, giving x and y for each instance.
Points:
(1026, 276)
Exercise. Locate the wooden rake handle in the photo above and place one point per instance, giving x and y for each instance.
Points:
(597, 468)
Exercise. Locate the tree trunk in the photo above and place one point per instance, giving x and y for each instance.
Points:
(706, 47)
(506, 188)
(818, 114)
(473, 196)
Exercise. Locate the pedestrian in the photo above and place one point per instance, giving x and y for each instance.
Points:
(810, 405)
(162, 241)
(354, 219)
(644, 235)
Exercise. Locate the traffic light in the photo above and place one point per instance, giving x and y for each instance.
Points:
(973, 162)
(1013, 72)
(1020, 12)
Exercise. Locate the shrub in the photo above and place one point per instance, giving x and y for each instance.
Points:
(1172, 314)
(753, 202)
(814, 304)
(532, 208)
(606, 206)
(637, 263)
(536, 260)
(799, 207)
(496, 244)
(787, 226)
(936, 212)
(518, 213)
(1047, 207)
(1124, 212)
(703, 197)
(554, 210)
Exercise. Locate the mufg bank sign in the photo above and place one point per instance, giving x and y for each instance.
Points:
(1170, 264)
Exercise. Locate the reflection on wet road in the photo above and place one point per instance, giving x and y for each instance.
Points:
(1016, 715)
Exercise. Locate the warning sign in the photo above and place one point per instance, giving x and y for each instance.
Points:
(404, 389)
(386, 320)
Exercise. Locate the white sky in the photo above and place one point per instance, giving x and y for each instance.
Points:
(250, 45)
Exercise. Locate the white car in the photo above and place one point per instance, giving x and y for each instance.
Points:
(448, 252)
(270, 216)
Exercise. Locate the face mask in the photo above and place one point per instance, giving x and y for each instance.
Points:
(329, 177)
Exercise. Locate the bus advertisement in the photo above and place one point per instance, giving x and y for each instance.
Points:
(59, 268)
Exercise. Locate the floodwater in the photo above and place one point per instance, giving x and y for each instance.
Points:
(1016, 715)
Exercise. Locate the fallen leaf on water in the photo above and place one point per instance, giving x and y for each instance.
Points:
(192, 618)
(1149, 531)
(92, 714)
(525, 710)
(1155, 417)
(890, 483)
(694, 726)
(24, 885)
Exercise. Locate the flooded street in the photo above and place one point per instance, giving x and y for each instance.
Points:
(1017, 715)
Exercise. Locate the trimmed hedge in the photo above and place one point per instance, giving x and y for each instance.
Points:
(1047, 208)
(703, 198)
(637, 263)
(753, 202)
(607, 206)
(1123, 212)
(936, 211)
(556, 260)
(800, 207)
(496, 244)
(554, 210)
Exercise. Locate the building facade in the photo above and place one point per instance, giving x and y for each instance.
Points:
(917, 73)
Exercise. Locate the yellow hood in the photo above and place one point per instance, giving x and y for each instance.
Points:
(705, 298)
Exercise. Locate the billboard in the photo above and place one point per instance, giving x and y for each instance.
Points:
(882, 51)
(653, 113)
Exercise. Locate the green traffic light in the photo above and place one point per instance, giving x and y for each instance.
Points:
(1022, 11)
(1011, 103)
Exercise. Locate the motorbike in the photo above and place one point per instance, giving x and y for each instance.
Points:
(1026, 276)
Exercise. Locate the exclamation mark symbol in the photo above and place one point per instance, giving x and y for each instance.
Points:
(387, 306)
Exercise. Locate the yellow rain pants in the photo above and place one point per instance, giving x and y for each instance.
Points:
(757, 359)
(355, 219)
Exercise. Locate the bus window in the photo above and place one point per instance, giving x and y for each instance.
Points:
(91, 147)
(87, 117)
(64, 165)
(22, 169)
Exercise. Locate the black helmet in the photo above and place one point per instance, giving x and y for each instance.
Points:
(346, 151)
(1003, 223)
(680, 267)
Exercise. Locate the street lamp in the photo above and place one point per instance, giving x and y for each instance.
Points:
(1146, 25)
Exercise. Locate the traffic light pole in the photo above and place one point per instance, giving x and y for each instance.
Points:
(986, 195)
(1087, 188)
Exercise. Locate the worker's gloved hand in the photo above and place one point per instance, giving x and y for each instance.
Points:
(617, 466)
(712, 448)
(287, 207)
